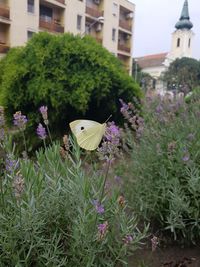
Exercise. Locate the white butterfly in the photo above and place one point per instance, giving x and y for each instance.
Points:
(88, 133)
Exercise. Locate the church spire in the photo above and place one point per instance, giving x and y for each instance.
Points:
(184, 21)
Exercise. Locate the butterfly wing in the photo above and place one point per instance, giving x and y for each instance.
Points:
(88, 133)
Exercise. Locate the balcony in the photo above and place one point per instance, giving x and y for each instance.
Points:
(125, 62)
(125, 25)
(94, 12)
(4, 48)
(124, 48)
(51, 26)
(4, 11)
(61, 1)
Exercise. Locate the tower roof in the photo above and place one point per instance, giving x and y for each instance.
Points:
(184, 21)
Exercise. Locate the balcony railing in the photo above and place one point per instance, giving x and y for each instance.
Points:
(125, 25)
(51, 26)
(94, 12)
(124, 48)
(4, 48)
(4, 11)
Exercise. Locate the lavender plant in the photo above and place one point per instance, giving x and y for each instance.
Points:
(44, 112)
(55, 213)
(163, 179)
(20, 122)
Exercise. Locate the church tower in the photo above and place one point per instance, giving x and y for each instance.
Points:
(182, 37)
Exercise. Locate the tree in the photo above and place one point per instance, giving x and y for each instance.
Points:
(183, 75)
(73, 76)
(144, 79)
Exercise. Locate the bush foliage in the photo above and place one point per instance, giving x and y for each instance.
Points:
(73, 76)
(183, 75)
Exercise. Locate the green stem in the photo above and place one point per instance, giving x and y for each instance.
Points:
(24, 142)
(1, 191)
(100, 200)
(20, 214)
(102, 193)
(104, 182)
(49, 133)
(44, 144)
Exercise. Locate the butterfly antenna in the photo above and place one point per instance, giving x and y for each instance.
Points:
(108, 118)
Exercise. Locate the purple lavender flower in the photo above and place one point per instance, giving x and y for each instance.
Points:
(110, 146)
(43, 110)
(186, 157)
(112, 133)
(125, 109)
(159, 109)
(98, 206)
(102, 230)
(11, 164)
(20, 120)
(41, 132)
(124, 106)
(130, 113)
(127, 239)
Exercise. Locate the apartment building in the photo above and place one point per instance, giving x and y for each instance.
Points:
(110, 22)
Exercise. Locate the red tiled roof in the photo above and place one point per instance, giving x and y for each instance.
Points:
(151, 60)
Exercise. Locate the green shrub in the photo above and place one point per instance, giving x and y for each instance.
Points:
(73, 76)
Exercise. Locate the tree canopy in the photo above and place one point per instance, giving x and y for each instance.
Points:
(183, 74)
(73, 76)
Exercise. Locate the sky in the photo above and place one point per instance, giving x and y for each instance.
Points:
(154, 24)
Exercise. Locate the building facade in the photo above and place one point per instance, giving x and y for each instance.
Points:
(110, 22)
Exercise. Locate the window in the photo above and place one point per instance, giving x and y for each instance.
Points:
(30, 34)
(79, 22)
(178, 42)
(114, 9)
(189, 42)
(46, 13)
(114, 34)
(30, 7)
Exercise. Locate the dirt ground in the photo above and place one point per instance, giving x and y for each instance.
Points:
(169, 257)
